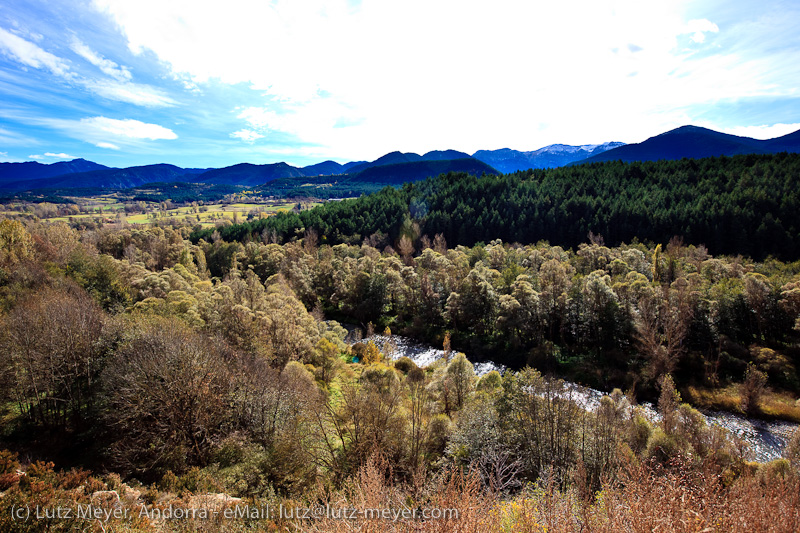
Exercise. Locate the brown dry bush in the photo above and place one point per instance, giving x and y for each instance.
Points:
(679, 496)
(49, 352)
(460, 493)
(165, 391)
(683, 497)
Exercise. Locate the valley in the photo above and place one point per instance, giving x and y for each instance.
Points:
(399, 267)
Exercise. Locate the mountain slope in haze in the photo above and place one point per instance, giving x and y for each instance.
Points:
(786, 143)
(33, 170)
(442, 155)
(351, 164)
(248, 174)
(326, 168)
(110, 178)
(507, 160)
(395, 158)
(695, 142)
(419, 170)
(392, 158)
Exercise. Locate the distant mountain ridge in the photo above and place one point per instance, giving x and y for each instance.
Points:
(326, 168)
(394, 158)
(33, 170)
(248, 174)
(394, 167)
(400, 173)
(695, 142)
(555, 155)
(110, 178)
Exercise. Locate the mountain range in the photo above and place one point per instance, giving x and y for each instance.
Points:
(105, 177)
(694, 142)
(393, 168)
(33, 170)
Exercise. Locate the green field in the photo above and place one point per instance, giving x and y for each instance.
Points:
(108, 207)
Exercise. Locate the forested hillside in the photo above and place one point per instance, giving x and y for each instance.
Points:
(747, 205)
(211, 368)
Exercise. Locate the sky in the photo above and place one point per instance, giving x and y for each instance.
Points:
(204, 84)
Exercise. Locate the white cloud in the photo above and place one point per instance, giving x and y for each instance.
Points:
(319, 122)
(119, 89)
(110, 146)
(246, 135)
(101, 131)
(134, 93)
(762, 132)
(698, 28)
(107, 66)
(130, 128)
(51, 155)
(418, 75)
(31, 55)
(38, 37)
(190, 86)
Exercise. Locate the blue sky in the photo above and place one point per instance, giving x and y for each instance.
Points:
(207, 84)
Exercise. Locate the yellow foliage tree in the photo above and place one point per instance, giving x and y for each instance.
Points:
(16, 243)
(372, 354)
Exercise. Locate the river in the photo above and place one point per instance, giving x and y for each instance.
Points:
(766, 439)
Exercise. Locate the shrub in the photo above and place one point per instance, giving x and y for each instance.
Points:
(8, 480)
(768, 473)
(490, 382)
(8, 462)
(74, 478)
(755, 382)
(404, 365)
(639, 433)
(166, 394)
(661, 447)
